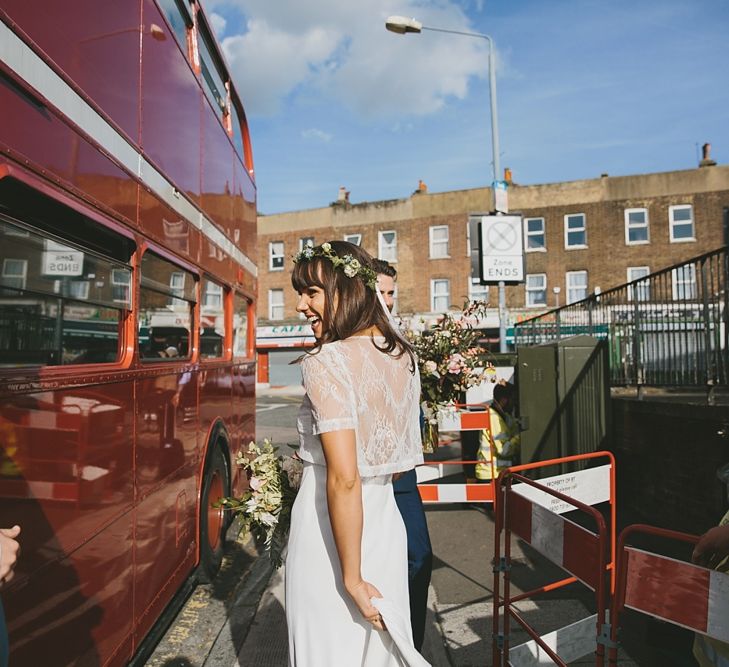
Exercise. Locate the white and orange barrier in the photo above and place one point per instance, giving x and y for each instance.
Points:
(432, 490)
(675, 591)
(533, 510)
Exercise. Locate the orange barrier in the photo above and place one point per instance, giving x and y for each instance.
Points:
(532, 510)
(433, 492)
(675, 591)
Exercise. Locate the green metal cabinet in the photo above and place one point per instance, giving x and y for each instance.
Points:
(564, 399)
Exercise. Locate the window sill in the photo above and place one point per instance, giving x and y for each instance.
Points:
(440, 257)
(638, 242)
(691, 240)
(536, 249)
(576, 247)
(275, 270)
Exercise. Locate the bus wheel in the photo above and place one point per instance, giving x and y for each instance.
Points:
(213, 524)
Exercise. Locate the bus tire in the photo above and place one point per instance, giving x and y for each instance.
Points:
(213, 522)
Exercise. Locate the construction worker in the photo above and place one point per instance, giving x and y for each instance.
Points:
(499, 444)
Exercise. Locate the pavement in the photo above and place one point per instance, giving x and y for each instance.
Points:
(239, 620)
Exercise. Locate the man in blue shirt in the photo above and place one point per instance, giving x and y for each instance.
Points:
(407, 497)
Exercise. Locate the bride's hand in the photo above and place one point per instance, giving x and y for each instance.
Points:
(361, 593)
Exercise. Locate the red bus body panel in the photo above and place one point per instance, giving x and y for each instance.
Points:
(102, 464)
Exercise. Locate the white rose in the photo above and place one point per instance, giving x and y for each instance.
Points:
(430, 367)
(350, 271)
(326, 247)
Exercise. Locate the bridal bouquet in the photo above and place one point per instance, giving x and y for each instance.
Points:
(265, 508)
(450, 362)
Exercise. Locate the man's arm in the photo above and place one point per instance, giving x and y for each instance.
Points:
(713, 547)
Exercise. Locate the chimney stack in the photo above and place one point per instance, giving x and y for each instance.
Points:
(706, 160)
(343, 196)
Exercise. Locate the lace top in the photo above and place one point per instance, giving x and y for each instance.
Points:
(350, 384)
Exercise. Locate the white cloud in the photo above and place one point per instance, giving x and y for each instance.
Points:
(317, 135)
(342, 51)
(218, 23)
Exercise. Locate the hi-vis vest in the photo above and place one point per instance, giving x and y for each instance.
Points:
(499, 446)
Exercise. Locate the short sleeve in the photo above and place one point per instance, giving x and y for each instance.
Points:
(326, 381)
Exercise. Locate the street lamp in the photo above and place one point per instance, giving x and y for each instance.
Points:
(402, 25)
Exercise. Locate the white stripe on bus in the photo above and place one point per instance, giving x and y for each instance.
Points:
(19, 57)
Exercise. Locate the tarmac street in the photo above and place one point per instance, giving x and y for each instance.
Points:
(239, 620)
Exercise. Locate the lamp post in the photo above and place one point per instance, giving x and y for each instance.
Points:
(403, 25)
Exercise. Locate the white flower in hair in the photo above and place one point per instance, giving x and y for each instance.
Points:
(326, 247)
(350, 271)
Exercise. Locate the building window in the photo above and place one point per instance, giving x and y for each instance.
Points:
(212, 321)
(78, 289)
(241, 306)
(440, 295)
(575, 231)
(477, 291)
(177, 287)
(387, 246)
(681, 219)
(534, 235)
(576, 286)
(636, 226)
(683, 281)
(276, 256)
(536, 289)
(15, 272)
(121, 280)
(275, 304)
(306, 241)
(354, 239)
(438, 242)
(212, 295)
(642, 290)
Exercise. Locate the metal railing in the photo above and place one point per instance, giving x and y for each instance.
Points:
(670, 328)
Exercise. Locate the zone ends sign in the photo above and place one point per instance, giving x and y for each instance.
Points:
(502, 249)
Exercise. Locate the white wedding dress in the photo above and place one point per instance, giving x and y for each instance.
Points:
(350, 384)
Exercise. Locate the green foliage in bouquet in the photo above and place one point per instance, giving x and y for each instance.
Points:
(265, 509)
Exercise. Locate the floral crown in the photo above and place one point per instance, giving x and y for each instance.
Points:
(350, 265)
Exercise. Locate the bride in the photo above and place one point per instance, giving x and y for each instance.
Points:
(346, 568)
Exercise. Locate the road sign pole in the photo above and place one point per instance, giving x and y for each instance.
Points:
(502, 316)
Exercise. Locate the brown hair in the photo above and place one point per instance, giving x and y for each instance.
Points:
(358, 307)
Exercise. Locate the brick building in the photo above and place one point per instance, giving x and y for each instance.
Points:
(579, 237)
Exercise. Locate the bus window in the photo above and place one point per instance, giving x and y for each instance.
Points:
(237, 134)
(166, 300)
(213, 82)
(212, 320)
(241, 307)
(60, 303)
(177, 13)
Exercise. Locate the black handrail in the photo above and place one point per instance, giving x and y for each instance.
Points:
(670, 328)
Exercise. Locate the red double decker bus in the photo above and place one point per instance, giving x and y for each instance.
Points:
(127, 289)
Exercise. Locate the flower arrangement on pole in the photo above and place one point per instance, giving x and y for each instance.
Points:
(450, 362)
(265, 508)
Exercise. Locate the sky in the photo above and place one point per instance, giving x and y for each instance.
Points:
(583, 88)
